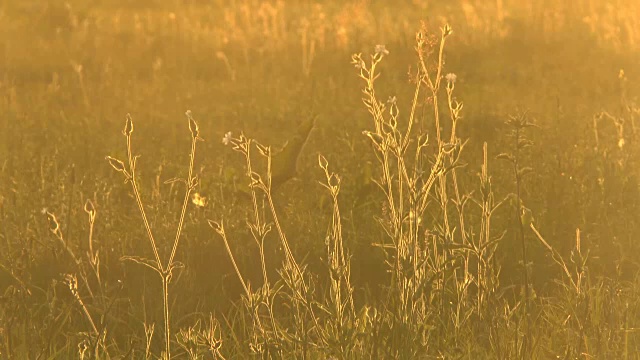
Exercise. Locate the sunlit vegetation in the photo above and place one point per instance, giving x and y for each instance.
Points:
(319, 180)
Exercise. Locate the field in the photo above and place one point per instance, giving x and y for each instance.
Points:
(194, 179)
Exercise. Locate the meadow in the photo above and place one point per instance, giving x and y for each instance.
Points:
(194, 179)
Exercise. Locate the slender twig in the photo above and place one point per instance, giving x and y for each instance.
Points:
(164, 270)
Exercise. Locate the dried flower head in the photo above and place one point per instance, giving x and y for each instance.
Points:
(381, 50)
(226, 139)
(451, 78)
(193, 125)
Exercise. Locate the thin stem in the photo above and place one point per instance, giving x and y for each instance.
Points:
(136, 193)
(233, 262)
(256, 212)
(165, 301)
(185, 203)
(285, 244)
(165, 272)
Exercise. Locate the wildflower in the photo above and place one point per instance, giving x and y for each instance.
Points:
(44, 211)
(226, 139)
(381, 50)
(198, 200)
(392, 100)
(451, 78)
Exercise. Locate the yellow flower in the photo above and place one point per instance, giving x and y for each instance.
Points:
(198, 200)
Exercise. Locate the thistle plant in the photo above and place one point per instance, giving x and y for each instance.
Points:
(165, 270)
(423, 259)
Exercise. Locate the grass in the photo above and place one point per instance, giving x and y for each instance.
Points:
(463, 191)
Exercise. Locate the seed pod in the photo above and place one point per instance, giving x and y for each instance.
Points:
(90, 209)
(128, 127)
